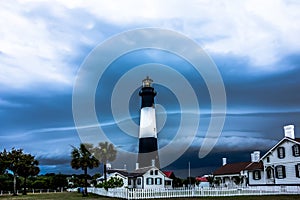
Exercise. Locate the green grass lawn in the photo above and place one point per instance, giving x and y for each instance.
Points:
(53, 196)
(76, 196)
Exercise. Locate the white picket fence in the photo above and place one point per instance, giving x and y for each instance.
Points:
(33, 191)
(194, 192)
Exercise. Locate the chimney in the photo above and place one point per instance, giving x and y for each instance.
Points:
(252, 157)
(108, 166)
(255, 156)
(125, 166)
(224, 161)
(289, 131)
(137, 166)
(153, 163)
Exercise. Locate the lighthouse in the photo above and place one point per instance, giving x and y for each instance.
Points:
(148, 151)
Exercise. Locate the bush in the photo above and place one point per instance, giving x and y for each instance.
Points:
(113, 182)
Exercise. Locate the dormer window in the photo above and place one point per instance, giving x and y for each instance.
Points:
(281, 152)
(296, 150)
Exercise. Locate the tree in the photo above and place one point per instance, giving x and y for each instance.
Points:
(29, 168)
(21, 164)
(59, 181)
(3, 162)
(113, 182)
(94, 178)
(14, 158)
(105, 153)
(6, 182)
(83, 158)
(237, 180)
(211, 179)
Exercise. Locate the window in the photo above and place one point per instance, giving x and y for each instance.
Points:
(270, 173)
(268, 159)
(297, 168)
(156, 172)
(280, 171)
(168, 182)
(256, 175)
(138, 181)
(151, 172)
(281, 152)
(157, 181)
(149, 181)
(129, 181)
(296, 150)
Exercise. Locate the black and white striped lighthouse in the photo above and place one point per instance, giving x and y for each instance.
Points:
(148, 151)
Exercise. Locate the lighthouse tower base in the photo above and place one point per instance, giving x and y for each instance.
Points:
(148, 152)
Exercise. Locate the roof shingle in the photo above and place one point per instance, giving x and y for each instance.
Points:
(255, 166)
(232, 168)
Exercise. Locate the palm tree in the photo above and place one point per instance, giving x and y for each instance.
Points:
(29, 168)
(105, 153)
(84, 159)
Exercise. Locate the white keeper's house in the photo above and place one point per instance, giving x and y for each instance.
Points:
(141, 178)
(278, 166)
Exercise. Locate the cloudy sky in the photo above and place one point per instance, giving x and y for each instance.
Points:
(44, 45)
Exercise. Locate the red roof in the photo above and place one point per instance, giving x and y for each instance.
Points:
(232, 168)
(254, 166)
(201, 179)
(168, 173)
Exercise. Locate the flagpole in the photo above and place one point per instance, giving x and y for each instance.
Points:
(190, 173)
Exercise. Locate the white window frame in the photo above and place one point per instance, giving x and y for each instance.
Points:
(256, 175)
(281, 152)
(280, 174)
(297, 170)
(139, 181)
(296, 150)
(149, 181)
(158, 181)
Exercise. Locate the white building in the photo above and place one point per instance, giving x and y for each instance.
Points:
(279, 166)
(141, 178)
(149, 178)
(231, 174)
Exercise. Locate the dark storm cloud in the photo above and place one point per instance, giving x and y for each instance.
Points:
(276, 88)
(44, 111)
